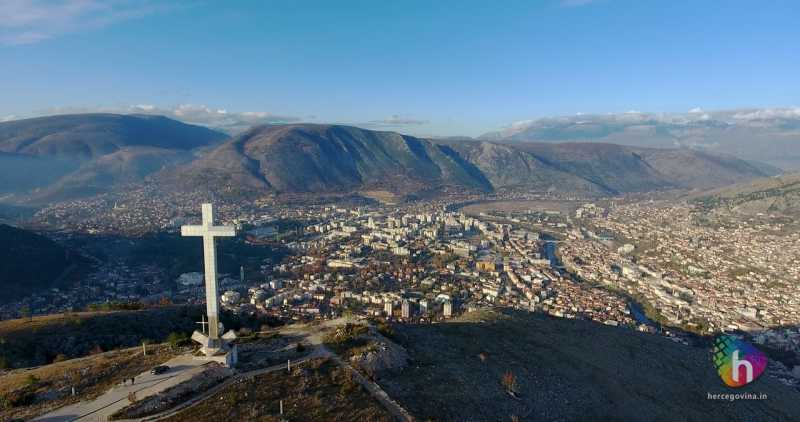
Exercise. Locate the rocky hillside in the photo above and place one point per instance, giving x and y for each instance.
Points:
(562, 369)
(62, 157)
(773, 195)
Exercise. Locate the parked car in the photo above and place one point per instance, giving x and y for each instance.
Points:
(160, 369)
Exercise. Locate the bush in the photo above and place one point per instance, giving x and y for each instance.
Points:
(509, 381)
(177, 339)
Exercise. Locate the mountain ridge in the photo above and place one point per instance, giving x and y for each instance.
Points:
(764, 135)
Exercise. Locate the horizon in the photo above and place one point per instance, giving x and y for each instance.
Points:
(430, 72)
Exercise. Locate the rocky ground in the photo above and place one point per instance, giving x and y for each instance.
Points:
(501, 366)
(267, 349)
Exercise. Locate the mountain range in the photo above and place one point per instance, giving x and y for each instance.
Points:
(767, 135)
(56, 158)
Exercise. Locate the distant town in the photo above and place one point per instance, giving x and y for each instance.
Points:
(652, 266)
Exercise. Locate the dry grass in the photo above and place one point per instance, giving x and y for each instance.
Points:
(317, 391)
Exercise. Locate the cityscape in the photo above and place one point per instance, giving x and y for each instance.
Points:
(311, 211)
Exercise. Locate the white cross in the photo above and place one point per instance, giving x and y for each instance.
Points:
(208, 231)
(202, 323)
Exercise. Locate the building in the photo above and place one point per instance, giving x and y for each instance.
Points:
(448, 309)
(406, 309)
(388, 308)
(423, 306)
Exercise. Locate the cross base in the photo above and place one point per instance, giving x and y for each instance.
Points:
(220, 350)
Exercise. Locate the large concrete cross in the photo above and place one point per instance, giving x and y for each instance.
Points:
(208, 232)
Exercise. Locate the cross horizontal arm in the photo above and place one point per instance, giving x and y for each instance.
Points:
(214, 231)
(192, 230)
(224, 231)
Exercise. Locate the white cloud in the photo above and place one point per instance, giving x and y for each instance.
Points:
(199, 114)
(32, 21)
(397, 121)
(696, 110)
(769, 113)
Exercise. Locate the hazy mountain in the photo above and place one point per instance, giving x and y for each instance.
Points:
(323, 158)
(61, 157)
(774, 195)
(94, 135)
(64, 157)
(603, 168)
(768, 135)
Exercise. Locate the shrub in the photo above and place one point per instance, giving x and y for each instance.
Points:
(509, 381)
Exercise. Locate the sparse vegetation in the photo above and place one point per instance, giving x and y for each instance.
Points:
(316, 391)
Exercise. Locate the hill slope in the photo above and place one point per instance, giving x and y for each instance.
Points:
(30, 262)
(566, 370)
(67, 156)
(774, 195)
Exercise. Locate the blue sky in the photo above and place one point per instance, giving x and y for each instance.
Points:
(421, 67)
